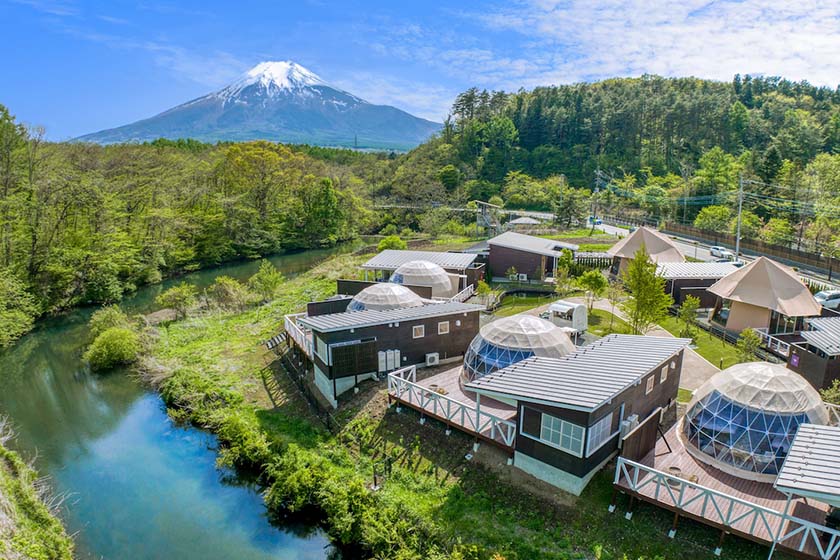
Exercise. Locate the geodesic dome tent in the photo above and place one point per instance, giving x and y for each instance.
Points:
(382, 297)
(424, 273)
(510, 340)
(744, 418)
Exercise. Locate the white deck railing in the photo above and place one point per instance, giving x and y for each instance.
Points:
(464, 294)
(296, 333)
(723, 509)
(833, 414)
(772, 343)
(401, 386)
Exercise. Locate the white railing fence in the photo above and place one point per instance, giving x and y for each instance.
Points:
(772, 343)
(833, 414)
(459, 413)
(732, 512)
(296, 333)
(464, 294)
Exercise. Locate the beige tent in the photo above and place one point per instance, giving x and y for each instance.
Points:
(659, 247)
(769, 285)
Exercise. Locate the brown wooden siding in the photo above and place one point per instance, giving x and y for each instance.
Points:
(502, 258)
(633, 398)
(352, 287)
(413, 350)
(820, 372)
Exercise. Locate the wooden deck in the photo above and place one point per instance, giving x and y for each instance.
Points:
(441, 397)
(749, 509)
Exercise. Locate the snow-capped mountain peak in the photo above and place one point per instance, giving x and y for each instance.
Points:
(273, 77)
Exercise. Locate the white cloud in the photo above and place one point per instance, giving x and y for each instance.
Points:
(712, 39)
(425, 100)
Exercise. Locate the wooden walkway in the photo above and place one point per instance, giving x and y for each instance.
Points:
(441, 397)
(674, 480)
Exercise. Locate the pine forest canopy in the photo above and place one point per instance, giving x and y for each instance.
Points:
(82, 223)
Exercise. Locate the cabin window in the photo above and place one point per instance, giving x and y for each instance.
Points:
(418, 331)
(561, 434)
(663, 376)
(321, 350)
(650, 383)
(599, 433)
(443, 327)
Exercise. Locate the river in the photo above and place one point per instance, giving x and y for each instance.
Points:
(138, 486)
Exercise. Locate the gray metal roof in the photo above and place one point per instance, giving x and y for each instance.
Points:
(524, 221)
(369, 318)
(586, 379)
(698, 270)
(825, 334)
(531, 244)
(392, 259)
(812, 466)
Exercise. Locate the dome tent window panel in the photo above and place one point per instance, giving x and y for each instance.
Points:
(746, 416)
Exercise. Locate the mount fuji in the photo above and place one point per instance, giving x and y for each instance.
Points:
(282, 102)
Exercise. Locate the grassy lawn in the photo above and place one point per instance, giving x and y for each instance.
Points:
(602, 323)
(721, 354)
(514, 304)
(684, 395)
(595, 247)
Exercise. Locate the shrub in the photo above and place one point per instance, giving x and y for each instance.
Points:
(115, 346)
(266, 282)
(106, 318)
(391, 242)
(229, 293)
(180, 298)
(748, 343)
(390, 229)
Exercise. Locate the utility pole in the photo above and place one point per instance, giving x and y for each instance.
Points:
(740, 205)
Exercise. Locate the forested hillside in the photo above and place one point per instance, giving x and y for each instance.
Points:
(82, 223)
(653, 147)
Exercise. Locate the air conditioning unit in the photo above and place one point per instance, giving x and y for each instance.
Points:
(523, 277)
(628, 425)
(432, 359)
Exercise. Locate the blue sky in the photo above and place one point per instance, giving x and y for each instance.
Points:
(79, 66)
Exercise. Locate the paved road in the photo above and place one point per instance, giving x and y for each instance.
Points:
(700, 251)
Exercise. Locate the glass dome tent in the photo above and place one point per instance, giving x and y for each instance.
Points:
(424, 273)
(382, 297)
(743, 420)
(510, 340)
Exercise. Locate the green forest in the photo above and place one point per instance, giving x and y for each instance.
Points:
(85, 224)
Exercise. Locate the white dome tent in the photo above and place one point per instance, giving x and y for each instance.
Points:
(510, 340)
(743, 420)
(383, 297)
(424, 273)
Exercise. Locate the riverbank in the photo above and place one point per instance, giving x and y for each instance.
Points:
(28, 529)
(212, 371)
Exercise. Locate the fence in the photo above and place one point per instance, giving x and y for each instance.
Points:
(799, 257)
(296, 333)
(464, 294)
(402, 386)
(723, 510)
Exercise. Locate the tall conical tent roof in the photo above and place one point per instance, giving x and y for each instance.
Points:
(768, 284)
(659, 247)
(384, 296)
(766, 387)
(423, 273)
(526, 332)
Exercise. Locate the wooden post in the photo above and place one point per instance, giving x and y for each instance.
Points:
(612, 499)
(719, 548)
(629, 513)
(673, 530)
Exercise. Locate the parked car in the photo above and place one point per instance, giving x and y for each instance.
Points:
(830, 299)
(717, 250)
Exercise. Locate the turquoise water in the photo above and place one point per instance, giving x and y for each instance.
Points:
(136, 485)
